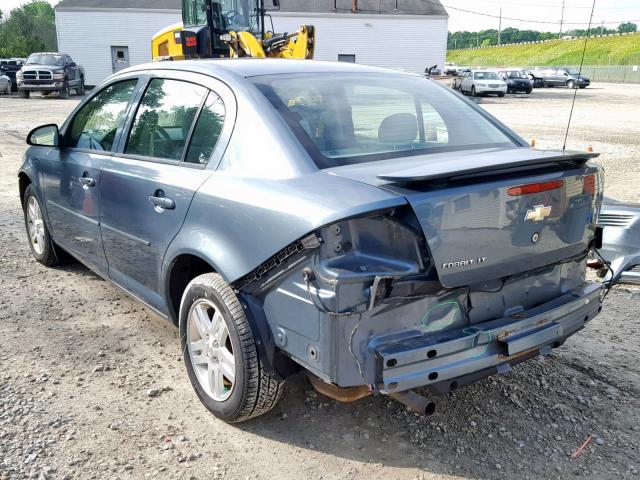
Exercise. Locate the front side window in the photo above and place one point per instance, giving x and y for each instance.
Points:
(94, 127)
(344, 118)
(164, 118)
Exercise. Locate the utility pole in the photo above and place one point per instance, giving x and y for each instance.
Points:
(500, 26)
(561, 21)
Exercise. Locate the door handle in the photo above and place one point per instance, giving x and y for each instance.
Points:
(162, 202)
(87, 182)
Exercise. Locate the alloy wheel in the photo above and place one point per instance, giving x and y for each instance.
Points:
(35, 225)
(210, 349)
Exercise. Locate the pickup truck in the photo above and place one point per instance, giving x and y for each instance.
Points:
(48, 72)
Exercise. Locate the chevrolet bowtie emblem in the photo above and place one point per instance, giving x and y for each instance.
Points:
(537, 214)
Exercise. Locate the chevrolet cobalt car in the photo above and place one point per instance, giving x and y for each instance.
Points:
(367, 227)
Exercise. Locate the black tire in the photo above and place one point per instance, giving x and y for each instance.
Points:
(24, 93)
(80, 87)
(64, 91)
(571, 84)
(501, 94)
(255, 391)
(582, 86)
(48, 255)
(473, 91)
(529, 91)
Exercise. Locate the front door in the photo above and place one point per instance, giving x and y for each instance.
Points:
(146, 189)
(72, 179)
(119, 58)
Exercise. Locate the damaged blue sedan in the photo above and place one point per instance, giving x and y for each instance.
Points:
(365, 226)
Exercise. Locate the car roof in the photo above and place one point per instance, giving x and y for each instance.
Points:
(252, 67)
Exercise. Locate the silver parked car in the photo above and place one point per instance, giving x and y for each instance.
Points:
(481, 82)
(5, 84)
(368, 227)
(620, 223)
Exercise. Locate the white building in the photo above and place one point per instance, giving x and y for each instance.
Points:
(105, 35)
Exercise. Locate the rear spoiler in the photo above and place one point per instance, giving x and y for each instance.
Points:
(485, 163)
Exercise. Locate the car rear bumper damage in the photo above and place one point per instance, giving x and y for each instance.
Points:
(449, 359)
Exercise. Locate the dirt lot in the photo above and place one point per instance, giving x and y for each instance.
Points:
(92, 384)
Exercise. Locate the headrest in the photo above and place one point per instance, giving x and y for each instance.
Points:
(398, 128)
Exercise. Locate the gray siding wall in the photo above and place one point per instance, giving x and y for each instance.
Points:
(88, 35)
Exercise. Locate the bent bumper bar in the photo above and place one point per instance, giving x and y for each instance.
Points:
(435, 358)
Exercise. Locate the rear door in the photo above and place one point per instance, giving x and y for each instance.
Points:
(147, 187)
(72, 174)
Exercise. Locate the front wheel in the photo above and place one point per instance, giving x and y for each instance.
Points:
(529, 91)
(571, 84)
(220, 353)
(80, 88)
(64, 91)
(24, 93)
(473, 92)
(39, 237)
(501, 94)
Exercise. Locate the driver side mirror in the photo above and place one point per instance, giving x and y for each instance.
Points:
(71, 64)
(276, 3)
(44, 136)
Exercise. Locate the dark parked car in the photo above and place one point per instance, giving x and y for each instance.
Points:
(50, 72)
(562, 77)
(620, 223)
(377, 231)
(537, 81)
(9, 67)
(516, 80)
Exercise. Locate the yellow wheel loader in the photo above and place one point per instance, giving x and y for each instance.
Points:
(229, 28)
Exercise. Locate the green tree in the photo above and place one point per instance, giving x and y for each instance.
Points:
(627, 27)
(27, 29)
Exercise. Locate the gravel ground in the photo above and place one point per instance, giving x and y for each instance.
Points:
(92, 384)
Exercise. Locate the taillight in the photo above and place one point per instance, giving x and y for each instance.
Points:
(589, 184)
(190, 42)
(535, 188)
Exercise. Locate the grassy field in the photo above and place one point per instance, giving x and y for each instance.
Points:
(617, 50)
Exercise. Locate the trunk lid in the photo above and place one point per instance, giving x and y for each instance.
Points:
(493, 213)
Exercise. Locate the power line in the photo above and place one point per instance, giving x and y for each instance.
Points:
(518, 19)
(575, 92)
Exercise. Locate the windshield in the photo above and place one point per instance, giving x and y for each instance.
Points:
(228, 15)
(573, 71)
(485, 76)
(345, 118)
(45, 59)
(516, 74)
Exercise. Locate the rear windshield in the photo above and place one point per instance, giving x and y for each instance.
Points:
(516, 74)
(344, 119)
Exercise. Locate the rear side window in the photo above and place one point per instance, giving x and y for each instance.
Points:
(95, 125)
(164, 119)
(207, 130)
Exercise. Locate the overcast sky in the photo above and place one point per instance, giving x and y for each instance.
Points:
(539, 10)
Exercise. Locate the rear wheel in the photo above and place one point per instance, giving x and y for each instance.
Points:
(24, 93)
(220, 353)
(39, 238)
